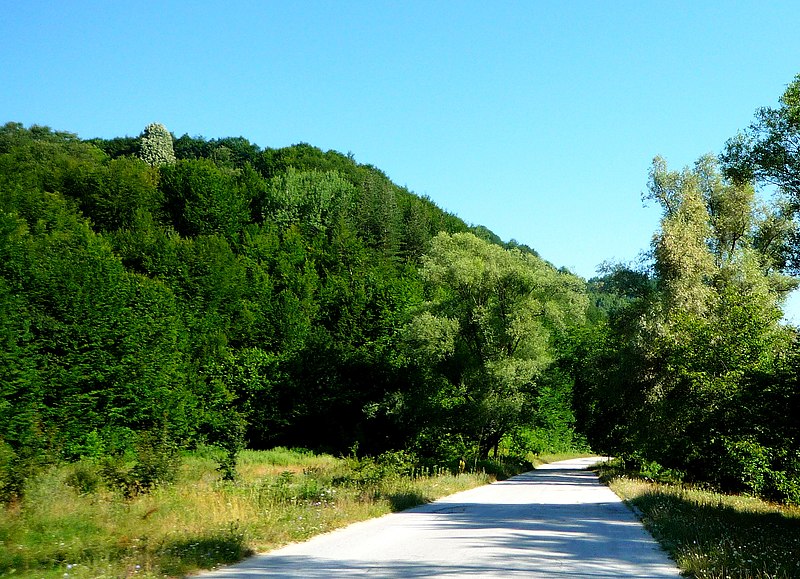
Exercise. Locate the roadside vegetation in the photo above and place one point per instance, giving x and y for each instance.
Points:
(711, 535)
(162, 292)
(689, 366)
(72, 523)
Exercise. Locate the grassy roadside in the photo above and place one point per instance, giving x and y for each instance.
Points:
(711, 535)
(69, 525)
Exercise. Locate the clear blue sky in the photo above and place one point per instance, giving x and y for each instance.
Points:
(536, 119)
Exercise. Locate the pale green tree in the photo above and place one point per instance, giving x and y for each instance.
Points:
(684, 262)
(313, 199)
(489, 324)
(714, 319)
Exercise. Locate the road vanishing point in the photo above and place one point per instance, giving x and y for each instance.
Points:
(556, 521)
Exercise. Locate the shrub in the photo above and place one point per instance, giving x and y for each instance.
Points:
(748, 463)
(84, 477)
(16, 466)
(9, 479)
(398, 462)
(156, 462)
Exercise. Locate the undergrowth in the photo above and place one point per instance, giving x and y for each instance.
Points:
(70, 522)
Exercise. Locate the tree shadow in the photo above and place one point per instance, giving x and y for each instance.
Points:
(406, 500)
(177, 557)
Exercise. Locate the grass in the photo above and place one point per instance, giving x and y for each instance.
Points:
(712, 535)
(85, 530)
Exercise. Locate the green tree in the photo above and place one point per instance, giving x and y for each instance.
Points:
(713, 321)
(768, 152)
(489, 326)
(117, 190)
(203, 199)
(314, 201)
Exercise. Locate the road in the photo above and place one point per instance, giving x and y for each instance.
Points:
(557, 521)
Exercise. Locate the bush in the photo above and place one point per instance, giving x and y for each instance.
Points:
(784, 487)
(84, 477)
(398, 462)
(10, 483)
(156, 462)
(16, 466)
(746, 464)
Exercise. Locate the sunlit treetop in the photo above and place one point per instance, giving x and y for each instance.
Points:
(156, 146)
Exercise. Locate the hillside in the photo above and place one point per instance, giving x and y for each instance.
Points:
(175, 292)
(160, 294)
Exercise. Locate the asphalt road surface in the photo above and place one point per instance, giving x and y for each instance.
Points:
(557, 521)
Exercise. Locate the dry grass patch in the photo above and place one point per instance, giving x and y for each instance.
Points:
(200, 521)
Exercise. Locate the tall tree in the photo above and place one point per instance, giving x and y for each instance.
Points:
(713, 321)
(768, 152)
(488, 325)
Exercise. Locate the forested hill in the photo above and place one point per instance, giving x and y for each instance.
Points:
(159, 294)
(210, 291)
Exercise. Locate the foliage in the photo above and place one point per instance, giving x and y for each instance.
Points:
(242, 297)
(767, 153)
(687, 368)
(154, 461)
(204, 199)
(678, 373)
(232, 296)
(768, 149)
(489, 327)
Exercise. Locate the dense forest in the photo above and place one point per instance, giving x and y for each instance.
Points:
(162, 293)
(176, 292)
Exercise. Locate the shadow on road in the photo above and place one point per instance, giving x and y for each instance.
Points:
(313, 568)
(552, 476)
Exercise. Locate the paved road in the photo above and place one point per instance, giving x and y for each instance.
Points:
(557, 521)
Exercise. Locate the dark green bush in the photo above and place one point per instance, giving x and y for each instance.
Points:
(156, 461)
(10, 482)
(84, 477)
